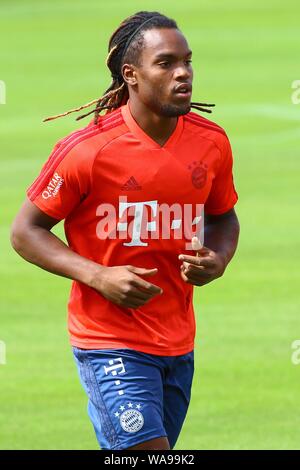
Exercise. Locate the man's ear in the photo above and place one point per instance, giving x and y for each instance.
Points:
(129, 74)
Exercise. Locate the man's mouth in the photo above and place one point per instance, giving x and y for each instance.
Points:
(184, 90)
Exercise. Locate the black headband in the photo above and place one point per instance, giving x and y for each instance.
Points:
(131, 38)
(135, 32)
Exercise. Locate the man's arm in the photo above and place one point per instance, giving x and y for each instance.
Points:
(32, 239)
(221, 234)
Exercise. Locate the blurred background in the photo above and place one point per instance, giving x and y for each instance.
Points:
(245, 59)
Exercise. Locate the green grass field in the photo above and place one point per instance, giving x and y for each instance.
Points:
(246, 56)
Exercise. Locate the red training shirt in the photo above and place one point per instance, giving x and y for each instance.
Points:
(101, 174)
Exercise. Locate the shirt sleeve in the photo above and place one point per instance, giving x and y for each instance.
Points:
(64, 180)
(222, 196)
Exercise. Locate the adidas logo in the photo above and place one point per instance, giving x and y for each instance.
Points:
(131, 185)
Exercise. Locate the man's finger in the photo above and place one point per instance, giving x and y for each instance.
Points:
(196, 245)
(134, 303)
(184, 276)
(197, 260)
(197, 270)
(198, 282)
(147, 286)
(143, 271)
(189, 267)
(194, 281)
(197, 275)
(139, 294)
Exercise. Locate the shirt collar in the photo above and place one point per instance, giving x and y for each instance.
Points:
(138, 132)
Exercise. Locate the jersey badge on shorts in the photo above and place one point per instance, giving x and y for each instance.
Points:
(130, 416)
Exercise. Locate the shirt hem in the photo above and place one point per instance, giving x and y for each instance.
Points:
(117, 345)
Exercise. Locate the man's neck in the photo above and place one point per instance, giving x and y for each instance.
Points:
(159, 128)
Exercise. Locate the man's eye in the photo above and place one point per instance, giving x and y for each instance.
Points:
(188, 61)
(164, 64)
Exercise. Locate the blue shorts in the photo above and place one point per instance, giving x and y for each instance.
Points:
(134, 396)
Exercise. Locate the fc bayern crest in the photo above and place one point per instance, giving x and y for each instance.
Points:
(199, 174)
(131, 419)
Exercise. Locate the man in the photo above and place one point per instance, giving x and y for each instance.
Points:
(131, 318)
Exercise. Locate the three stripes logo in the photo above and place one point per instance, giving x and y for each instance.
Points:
(131, 185)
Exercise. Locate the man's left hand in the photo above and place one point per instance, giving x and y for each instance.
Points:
(203, 268)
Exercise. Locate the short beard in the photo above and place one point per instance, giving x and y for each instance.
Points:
(171, 110)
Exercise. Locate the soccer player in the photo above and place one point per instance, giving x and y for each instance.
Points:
(130, 313)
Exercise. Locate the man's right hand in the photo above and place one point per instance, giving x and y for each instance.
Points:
(32, 238)
(123, 285)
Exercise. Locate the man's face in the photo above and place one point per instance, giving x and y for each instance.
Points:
(165, 65)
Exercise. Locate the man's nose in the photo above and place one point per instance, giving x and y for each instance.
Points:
(182, 71)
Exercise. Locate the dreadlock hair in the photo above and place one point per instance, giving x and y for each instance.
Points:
(125, 46)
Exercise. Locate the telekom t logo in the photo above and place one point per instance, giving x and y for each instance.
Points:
(116, 367)
(137, 221)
